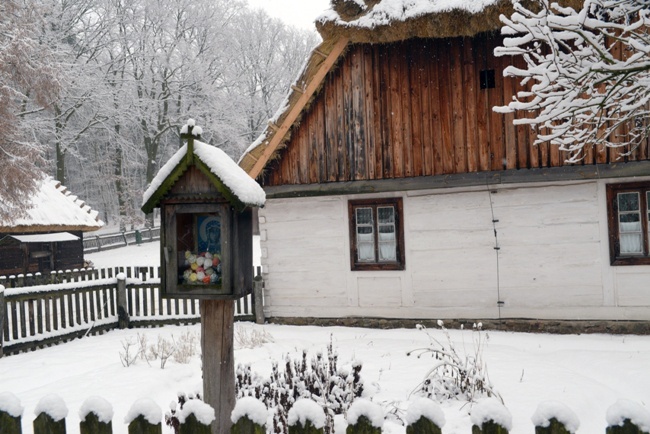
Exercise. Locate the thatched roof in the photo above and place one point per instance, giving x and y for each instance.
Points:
(371, 21)
(54, 209)
(381, 21)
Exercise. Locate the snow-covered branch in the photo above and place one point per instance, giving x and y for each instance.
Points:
(587, 73)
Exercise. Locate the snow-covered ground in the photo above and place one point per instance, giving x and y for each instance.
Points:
(588, 373)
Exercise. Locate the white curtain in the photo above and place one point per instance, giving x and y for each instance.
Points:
(366, 247)
(387, 247)
(631, 237)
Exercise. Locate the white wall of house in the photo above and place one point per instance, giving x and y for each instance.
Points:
(553, 261)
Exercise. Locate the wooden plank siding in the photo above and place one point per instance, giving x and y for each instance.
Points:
(416, 108)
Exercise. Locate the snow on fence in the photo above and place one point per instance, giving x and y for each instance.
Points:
(97, 243)
(250, 416)
(83, 302)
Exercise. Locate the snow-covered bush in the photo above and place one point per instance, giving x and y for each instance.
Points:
(319, 379)
(454, 375)
(251, 337)
(174, 415)
(181, 350)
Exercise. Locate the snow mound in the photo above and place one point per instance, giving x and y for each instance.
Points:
(144, 407)
(491, 410)
(52, 405)
(98, 405)
(307, 410)
(363, 407)
(626, 409)
(252, 408)
(548, 410)
(10, 404)
(203, 412)
(424, 407)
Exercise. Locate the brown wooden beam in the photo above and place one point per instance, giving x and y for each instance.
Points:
(505, 177)
(297, 108)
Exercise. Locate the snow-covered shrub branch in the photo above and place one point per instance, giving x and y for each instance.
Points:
(453, 375)
(587, 72)
(181, 350)
(319, 379)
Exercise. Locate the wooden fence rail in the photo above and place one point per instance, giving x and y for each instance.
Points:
(196, 417)
(77, 275)
(96, 243)
(89, 302)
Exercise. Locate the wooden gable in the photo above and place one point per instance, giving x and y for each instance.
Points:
(418, 107)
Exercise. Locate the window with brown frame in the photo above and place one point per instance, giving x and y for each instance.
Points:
(628, 212)
(376, 234)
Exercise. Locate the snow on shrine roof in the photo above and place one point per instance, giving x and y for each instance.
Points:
(54, 208)
(242, 186)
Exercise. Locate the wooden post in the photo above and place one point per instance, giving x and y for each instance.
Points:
(423, 426)
(217, 325)
(44, 424)
(627, 428)
(140, 425)
(246, 426)
(2, 318)
(11, 424)
(92, 425)
(363, 426)
(122, 308)
(308, 428)
(10, 412)
(554, 427)
(192, 425)
(258, 297)
(489, 427)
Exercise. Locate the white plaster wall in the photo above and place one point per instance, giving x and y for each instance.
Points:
(553, 257)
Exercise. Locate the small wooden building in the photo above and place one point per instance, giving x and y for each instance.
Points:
(50, 236)
(206, 203)
(395, 191)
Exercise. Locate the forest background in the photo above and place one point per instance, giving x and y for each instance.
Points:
(94, 92)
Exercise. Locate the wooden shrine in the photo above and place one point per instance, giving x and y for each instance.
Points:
(207, 224)
(206, 249)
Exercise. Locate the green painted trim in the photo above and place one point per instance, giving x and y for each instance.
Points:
(156, 197)
(190, 159)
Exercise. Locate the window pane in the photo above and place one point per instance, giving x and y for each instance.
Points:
(365, 235)
(386, 214)
(364, 216)
(628, 202)
(386, 228)
(629, 223)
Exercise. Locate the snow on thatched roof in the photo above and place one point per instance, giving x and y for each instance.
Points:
(378, 21)
(210, 158)
(371, 21)
(54, 208)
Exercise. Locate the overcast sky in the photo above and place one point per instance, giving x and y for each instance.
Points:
(301, 13)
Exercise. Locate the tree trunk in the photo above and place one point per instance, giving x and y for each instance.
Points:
(60, 151)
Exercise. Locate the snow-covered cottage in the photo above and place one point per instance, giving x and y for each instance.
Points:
(395, 191)
(50, 236)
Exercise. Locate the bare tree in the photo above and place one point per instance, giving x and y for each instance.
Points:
(28, 84)
(268, 56)
(586, 75)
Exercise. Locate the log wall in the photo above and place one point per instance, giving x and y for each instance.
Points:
(415, 108)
